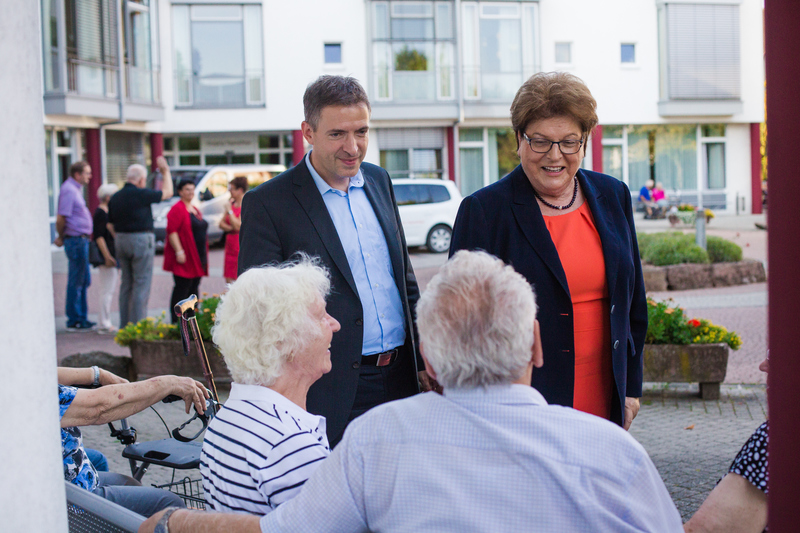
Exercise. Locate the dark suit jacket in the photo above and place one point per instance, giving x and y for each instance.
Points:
(505, 220)
(287, 215)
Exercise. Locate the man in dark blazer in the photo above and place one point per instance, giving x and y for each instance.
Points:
(343, 211)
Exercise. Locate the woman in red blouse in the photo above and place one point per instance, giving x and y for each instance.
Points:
(231, 223)
(186, 251)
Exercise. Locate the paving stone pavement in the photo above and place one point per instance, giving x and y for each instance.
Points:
(692, 442)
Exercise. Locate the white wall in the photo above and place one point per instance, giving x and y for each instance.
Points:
(630, 95)
(294, 32)
(32, 497)
(737, 166)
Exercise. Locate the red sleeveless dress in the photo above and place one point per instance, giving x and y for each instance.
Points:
(581, 253)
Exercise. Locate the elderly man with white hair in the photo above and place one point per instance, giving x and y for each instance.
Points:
(131, 220)
(275, 334)
(488, 455)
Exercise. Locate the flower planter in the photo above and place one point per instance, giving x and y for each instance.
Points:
(705, 364)
(157, 358)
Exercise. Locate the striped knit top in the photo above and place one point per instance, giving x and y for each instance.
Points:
(259, 451)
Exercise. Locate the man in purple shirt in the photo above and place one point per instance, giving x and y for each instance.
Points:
(74, 227)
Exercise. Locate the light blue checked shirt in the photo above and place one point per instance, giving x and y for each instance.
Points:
(481, 460)
(368, 256)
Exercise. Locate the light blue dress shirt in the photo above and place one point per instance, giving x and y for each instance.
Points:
(481, 460)
(368, 256)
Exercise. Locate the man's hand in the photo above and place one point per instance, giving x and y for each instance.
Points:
(161, 163)
(58, 241)
(107, 378)
(192, 392)
(427, 383)
(631, 410)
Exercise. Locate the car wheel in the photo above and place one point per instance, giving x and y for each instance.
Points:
(438, 240)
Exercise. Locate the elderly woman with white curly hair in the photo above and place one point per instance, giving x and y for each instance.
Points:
(274, 333)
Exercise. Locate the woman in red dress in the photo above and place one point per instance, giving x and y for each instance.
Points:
(186, 251)
(231, 223)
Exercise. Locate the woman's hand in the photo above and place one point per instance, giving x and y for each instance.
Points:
(107, 378)
(180, 257)
(631, 410)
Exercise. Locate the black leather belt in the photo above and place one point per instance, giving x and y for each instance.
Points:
(84, 236)
(379, 359)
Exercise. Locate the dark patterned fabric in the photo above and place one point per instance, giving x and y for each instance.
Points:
(751, 461)
(78, 469)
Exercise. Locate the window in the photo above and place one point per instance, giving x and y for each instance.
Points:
(140, 58)
(413, 194)
(413, 56)
(669, 154)
(485, 156)
(333, 53)
(92, 53)
(627, 54)
(229, 149)
(564, 53)
(498, 47)
(412, 163)
(218, 55)
(699, 51)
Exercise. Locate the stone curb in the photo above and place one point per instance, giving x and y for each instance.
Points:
(688, 276)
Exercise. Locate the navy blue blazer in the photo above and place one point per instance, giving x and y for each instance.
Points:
(286, 215)
(505, 220)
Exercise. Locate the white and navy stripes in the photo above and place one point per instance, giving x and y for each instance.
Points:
(259, 451)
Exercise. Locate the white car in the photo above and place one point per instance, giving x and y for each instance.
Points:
(211, 194)
(428, 209)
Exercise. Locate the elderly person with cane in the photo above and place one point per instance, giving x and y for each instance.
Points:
(570, 232)
(275, 334)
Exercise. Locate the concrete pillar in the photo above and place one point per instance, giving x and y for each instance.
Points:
(597, 149)
(451, 153)
(32, 496)
(782, 40)
(298, 147)
(156, 149)
(755, 167)
(94, 157)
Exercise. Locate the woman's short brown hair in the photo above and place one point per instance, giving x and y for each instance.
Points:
(240, 183)
(554, 94)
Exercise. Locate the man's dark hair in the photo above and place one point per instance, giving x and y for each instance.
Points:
(330, 90)
(77, 167)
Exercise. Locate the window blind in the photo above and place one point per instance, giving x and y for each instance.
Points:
(405, 138)
(703, 51)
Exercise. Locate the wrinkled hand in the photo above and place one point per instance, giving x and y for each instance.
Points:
(161, 163)
(192, 392)
(427, 383)
(107, 378)
(631, 410)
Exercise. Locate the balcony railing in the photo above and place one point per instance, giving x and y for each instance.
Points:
(415, 85)
(219, 91)
(494, 86)
(144, 85)
(88, 78)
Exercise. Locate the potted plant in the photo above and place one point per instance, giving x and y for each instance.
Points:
(684, 350)
(156, 347)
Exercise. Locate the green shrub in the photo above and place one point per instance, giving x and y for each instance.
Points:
(155, 329)
(673, 248)
(723, 251)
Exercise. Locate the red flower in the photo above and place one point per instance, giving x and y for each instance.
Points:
(694, 323)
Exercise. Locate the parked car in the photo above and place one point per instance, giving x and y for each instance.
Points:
(428, 209)
(211, 194)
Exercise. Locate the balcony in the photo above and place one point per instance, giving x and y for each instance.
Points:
(219, 90)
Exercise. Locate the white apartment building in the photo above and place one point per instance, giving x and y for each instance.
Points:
(679, 84)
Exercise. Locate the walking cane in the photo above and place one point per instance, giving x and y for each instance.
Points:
(185, 310)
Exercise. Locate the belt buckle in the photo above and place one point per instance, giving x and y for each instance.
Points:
(385, 358)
